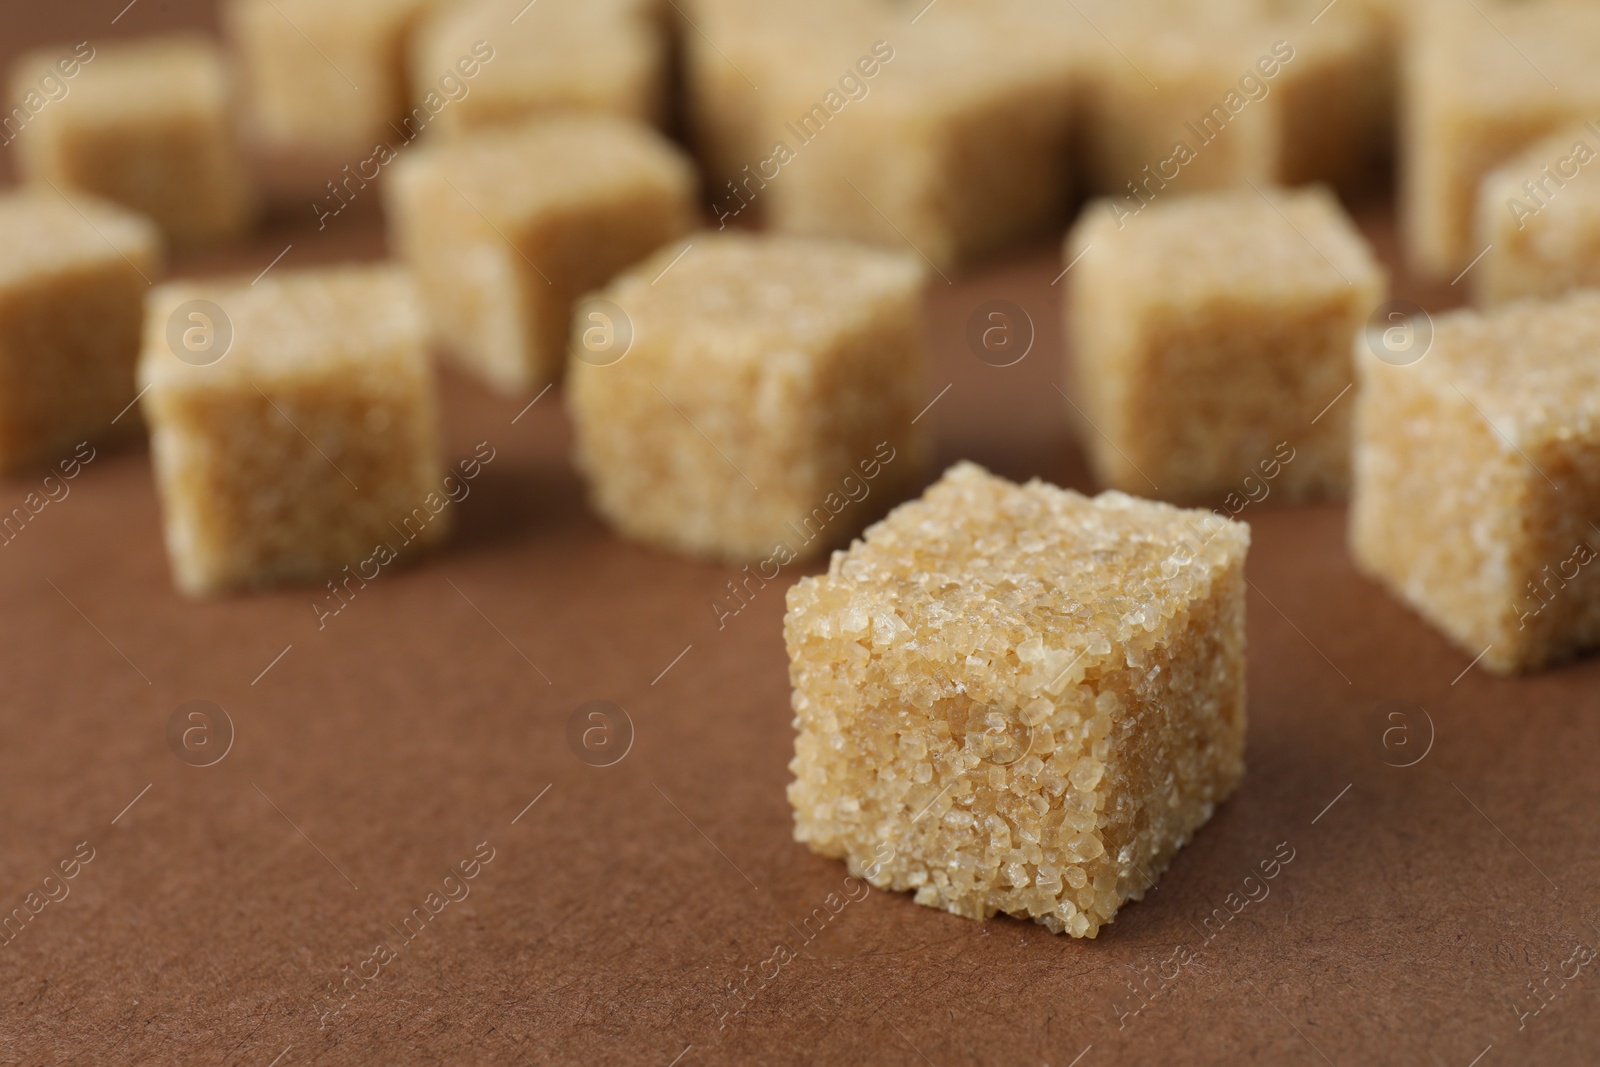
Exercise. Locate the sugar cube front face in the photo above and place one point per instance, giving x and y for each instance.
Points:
(1477, 92)
(1019, 699)
(750, 398)
(505, 228)
(1477, 480)
(1180, 98)
(144, 124)
(606, 56)
(1539, 215)
(320, 76)
(293, 426)
(1211, 336)
(730, 49)
(951, 139)
(72, 287)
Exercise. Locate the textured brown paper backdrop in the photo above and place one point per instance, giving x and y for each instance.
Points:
(374, 756)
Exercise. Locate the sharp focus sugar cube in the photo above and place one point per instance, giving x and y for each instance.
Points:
(750, 398)
(1019, 699)
(293, 426)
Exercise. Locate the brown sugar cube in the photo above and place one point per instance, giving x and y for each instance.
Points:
(742, 397)
(325, 76)
(731, 48)
(72, 286)
(1212, 339)
(144, 124)
(951, 139)
(1477, 480)
(1539, 213)
(293, 427)
(1180, 98)
(608, 56)
(1478, 91)
(1019, 699)
(505, 228)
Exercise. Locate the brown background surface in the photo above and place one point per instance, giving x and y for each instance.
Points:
(423, 719)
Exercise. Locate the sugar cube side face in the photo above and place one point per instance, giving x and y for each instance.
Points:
(1337, 92)
(957, 145)
(1211, 339)
(144, 124)
(733, 49)
(1539, 214)
(323, 77)
(750, 398)
(1477, 481)
(505, 228)
(294, 429)
(1019, 699)
(1476, 94)
(605, 56)
(1179, 99)
(1174, 119)
(72, 291)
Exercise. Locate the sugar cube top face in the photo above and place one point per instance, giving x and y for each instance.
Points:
(323, 76)
(1477, 480)
(1017, 698)
(762, 293)
(1476, 93)
(47, 235)
(506, 227)
(72, 286)
(145, 124)
(1540, 212)
(512, 173)
(293, 426)
(759, 376)
(1212, 333)
(181, 75)
(545, 58)
(1191, 249)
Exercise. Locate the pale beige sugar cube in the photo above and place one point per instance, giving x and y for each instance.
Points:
(1477, 480)
(1541, 213)
(145, 124)
(730, 49)
(72, 287)
(605, 56)
(1191, 106)
(293, 423)
(958, 146)
(504, 228)
(1211, 340)
(1336, 106)
(765, 410)
(1181, 98)
(325, 76)
(1476, 92)
(1019, 699)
